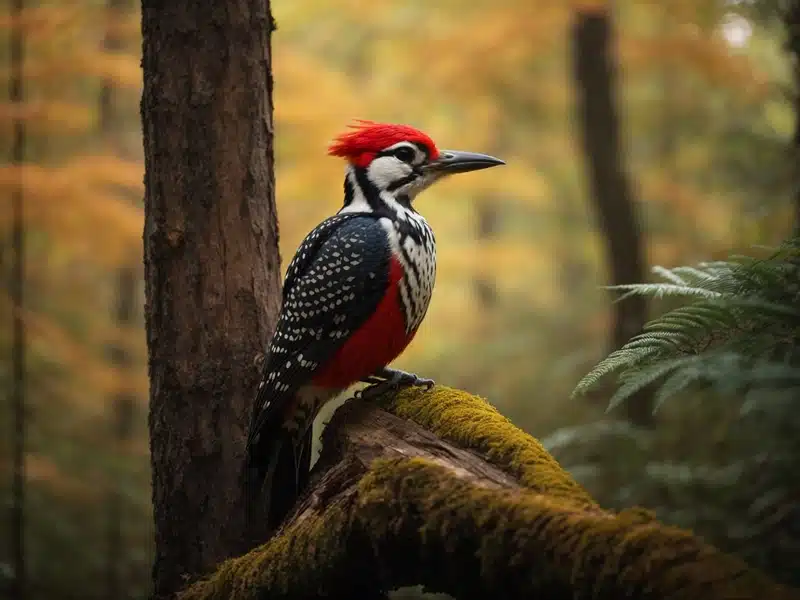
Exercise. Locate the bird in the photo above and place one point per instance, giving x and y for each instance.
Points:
(354, 296)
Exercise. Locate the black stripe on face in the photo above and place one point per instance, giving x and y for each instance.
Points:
(396, 185)
(418, 150)
(426, 153)
(371, 193)
(349, 192)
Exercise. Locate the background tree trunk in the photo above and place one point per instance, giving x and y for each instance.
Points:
(122, 402)
(792, 21)
(595, 77)
(17, 280)
(211, 266)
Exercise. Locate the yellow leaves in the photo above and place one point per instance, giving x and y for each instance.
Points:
(41, 117)
(121, 69)
(492, 259)
(41, 23)
(690, 52)
(486, 47)
(69, 203)
(515, 183)
(710, 214)
(105, 169)
(299, 82)
(96, 377)
(590, 6)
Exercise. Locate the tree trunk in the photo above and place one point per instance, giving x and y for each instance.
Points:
(792, 21)
(595, 77)
(442, 490)
(17, 96)
(488, 215)
(211, 266)
(123, 313)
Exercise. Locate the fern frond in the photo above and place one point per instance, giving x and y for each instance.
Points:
(700, 277)
(634, 381)
(677, 382)
(623, 358)
(767, 309)
(662, 290)
(740, 314)
(669, 275)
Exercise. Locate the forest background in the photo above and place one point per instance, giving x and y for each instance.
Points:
(705, 101)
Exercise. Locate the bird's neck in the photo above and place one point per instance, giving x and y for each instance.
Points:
(363, 196)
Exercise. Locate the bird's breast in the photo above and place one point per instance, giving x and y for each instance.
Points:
(414, 248)
(376, 343)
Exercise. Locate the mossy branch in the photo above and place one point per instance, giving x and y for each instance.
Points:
(471, 506)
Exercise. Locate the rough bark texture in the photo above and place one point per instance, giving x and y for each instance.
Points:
(595, 77)
(211, 265)
(444, 491)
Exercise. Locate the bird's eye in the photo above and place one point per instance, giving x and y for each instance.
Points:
(405, 154)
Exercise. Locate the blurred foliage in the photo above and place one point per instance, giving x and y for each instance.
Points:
(704, 99)
(737, 341)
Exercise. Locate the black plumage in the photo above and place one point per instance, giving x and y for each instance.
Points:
(333, 284)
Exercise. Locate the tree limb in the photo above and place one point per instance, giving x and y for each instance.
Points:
(443, 491)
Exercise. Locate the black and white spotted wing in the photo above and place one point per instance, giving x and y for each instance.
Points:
(333, 285)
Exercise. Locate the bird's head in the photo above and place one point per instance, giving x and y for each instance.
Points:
(400, 161)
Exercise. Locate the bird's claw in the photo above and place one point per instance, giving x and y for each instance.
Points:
(395, 380)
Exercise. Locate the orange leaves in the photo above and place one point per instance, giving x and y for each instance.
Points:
(688, 51)
(41, 117)
(73, 204)
(519, 183)
(590, 6)
(50, 340)
(481, 50)
(121, 69)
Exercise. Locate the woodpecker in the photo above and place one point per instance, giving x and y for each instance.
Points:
(353, 298)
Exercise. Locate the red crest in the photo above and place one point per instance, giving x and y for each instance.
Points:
(367, 138)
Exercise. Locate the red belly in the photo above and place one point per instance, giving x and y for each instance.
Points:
(375, 344)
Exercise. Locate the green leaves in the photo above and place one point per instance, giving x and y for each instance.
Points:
(737, 335)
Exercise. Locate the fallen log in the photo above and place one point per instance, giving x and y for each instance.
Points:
(437, 488)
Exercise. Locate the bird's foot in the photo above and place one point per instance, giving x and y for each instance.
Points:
(391, 380)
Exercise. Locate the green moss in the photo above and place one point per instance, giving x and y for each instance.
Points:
(412, 522)
(289, 566)
(471, 422)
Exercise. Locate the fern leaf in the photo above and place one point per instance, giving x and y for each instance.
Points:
(615, 361)
(669, 275)
(662, 290)
(641, 379)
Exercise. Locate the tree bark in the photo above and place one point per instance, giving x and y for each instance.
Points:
(441, 490)
(211, 266)
(595, 77)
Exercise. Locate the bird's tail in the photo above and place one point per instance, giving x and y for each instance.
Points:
(275, 474)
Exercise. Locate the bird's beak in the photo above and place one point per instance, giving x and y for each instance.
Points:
(455, 161)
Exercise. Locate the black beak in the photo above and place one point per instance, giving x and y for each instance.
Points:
(454, 161)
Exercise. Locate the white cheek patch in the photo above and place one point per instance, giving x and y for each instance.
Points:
(386, 170)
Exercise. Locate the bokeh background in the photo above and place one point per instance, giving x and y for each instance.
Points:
(519, 315)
